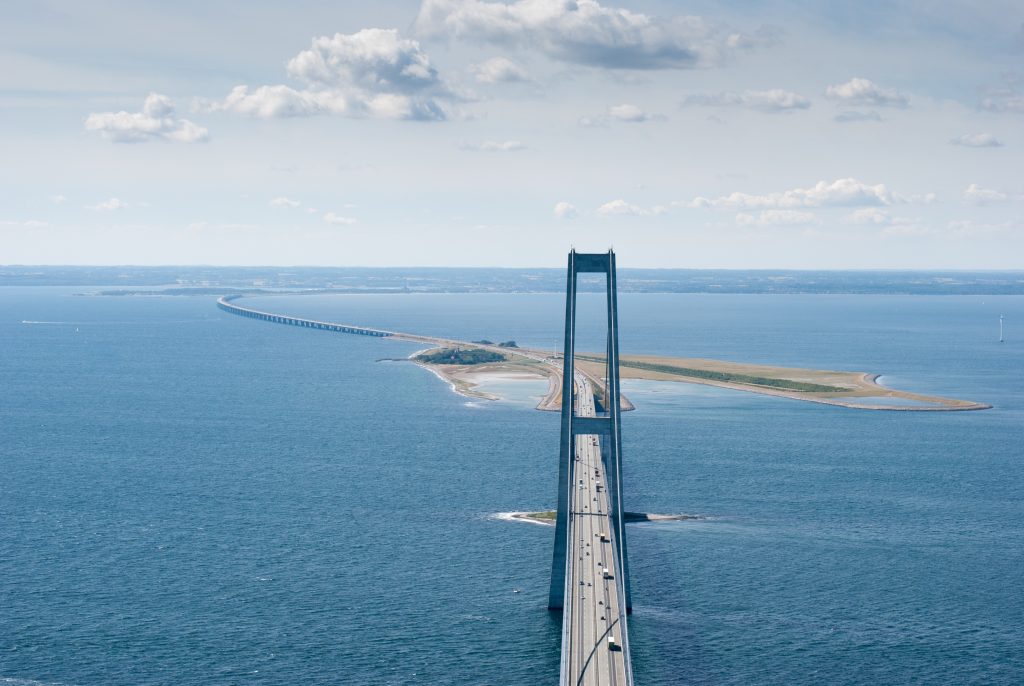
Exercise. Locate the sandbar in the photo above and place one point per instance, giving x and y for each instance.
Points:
(858, 390)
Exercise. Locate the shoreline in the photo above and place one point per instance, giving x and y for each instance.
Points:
(863, 387)
(841, 389)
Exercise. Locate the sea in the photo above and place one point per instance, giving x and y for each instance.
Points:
(190, 498)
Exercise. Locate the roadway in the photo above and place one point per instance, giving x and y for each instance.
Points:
(593, 610)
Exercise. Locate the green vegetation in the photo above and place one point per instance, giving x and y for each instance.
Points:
(549, 515)
(503, 344)
(748, 379)
(460, 356)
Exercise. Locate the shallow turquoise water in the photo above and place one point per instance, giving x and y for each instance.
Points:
(189, 497)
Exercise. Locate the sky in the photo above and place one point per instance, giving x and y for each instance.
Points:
(729, 134)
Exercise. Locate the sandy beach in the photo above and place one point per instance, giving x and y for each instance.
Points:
(858, 390)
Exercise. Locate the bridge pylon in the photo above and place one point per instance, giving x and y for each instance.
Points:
(607, 426)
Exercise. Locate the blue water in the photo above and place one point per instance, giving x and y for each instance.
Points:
(189, 497)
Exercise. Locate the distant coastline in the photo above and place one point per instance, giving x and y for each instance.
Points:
(181, 280)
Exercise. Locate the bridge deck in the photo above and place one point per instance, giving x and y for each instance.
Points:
(593, 609)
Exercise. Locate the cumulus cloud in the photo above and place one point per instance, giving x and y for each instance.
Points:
(587, 32)
(774, 100)
(838, 193)
(156, 122)
(108, 205)
(494, 146)
(857, 115)
(564, 210)
(58, 199)
(776, 218)
(977, 140)
(860, 92)
(983, 196)
(498, 70)
(338, 220)
(284, 203)
(372, 73)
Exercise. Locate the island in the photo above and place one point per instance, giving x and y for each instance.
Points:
(860, 390)
(548, 517)
(464, 365)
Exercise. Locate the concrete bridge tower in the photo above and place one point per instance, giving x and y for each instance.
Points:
(606, 426)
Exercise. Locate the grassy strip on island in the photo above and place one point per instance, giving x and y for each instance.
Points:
(460, 356)
(729, 377)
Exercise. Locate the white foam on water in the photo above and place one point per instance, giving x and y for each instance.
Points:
(518, 517)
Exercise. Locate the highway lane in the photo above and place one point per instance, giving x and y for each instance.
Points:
(592, 603)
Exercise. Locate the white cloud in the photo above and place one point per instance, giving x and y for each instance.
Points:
(338, 220)
(283, 202)
(856, 115)
(215, 226)
(891, 226)
(29, 224)
(628, 113)
(372, 73)
(109, 205)
(774, 100)
(918, 198)
(58, 199)
(983, 196)
(564, 210)
(977, 140)
(861, 92)
(1006, 97)
(498, 70)
(838, 193)
(156, 122)
(1003, 102)
(621, 207)
(776, 218)
(868, 215)
(968, 227)
(586, 32)
(494, 146)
